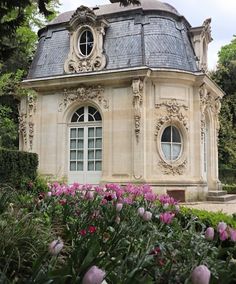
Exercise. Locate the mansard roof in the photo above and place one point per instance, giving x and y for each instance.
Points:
(153, 34)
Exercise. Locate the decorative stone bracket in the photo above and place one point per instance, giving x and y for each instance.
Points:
(137, 88)
(83, 94)
(85, 18)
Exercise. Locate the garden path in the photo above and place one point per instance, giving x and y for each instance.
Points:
(226, 207)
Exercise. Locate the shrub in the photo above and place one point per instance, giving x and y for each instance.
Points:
(227, 176)
(17, 167)
(230, 188)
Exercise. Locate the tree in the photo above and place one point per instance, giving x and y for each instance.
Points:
(225, 77)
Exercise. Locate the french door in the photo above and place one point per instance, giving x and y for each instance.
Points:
(85, 146)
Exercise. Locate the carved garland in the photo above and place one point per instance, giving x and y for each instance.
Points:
(23, 126)
(82, 94)
(172, 112)
(137, 87)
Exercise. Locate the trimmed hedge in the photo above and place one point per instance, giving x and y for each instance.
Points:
(207, 217)
(230, 188)
(17, 166)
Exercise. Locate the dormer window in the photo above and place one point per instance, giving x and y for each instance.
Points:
(85, 43)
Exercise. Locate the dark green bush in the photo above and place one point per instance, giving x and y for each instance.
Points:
(227, 176)
(230, 188)
(17, 167)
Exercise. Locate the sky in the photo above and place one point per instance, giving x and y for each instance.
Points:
(222, 13)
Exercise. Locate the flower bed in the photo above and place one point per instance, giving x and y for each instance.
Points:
(85, 234)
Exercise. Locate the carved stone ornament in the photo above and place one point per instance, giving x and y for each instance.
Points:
(171, 169)
(210, 104)
(85, 19)
(31, 134)
(82, 94)
(137, 87)
(32, 103)
(23, 127)
(172, 111)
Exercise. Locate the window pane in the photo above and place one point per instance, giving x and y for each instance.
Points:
(91, 166)
(91, 154)
(90, 117)
(72, 144)
(80, 144)
(97, 116)
(72, 155)
(83, 37)
(89, 36)
(166, 136)
(73, 133)
(91, 132)
(83, 49)
(73, 166)
(89, 48)
(99, 143)
(99, 132)
(80, 166)
(98, 166)
(91, 110)
(176, 148)
(81, 118)
(175, 135)
(91, 143)
(81, 132)
(74, 117)
(80, 155)
(98, 155)
(166, 148)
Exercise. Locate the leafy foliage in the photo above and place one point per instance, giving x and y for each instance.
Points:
(225, 77)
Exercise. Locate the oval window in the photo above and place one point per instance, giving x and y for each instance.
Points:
(85, 42)
(171, 143)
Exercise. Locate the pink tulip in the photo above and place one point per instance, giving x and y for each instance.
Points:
(201, 275)
(224, 235)
(89, 195)
(49, 194)
(147, 216)
(119, 207)
(222, 226)
(93, 276)
(56, 246)
(141, 211)
(166, 217)
(232, 234)
(209, 234)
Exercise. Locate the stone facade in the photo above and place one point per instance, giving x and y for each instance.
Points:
(137, 104)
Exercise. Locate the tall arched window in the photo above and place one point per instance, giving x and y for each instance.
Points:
(85, 159)
(171, 143)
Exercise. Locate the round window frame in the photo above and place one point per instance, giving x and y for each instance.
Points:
(79, 33)
(183, 136)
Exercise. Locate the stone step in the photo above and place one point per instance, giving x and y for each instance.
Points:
(222, 198)
(217, 193)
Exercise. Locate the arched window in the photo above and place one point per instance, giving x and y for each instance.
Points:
(86, 144)
(171, 143)
(85, 42)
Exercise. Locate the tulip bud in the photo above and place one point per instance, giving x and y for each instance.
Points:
(201, 275)
(117, 220)
(147, 216)
(222, 226)
(141, 211)
(93, 276)
(119, 207)
(56, 246)
(209, 234)
(232, 235)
